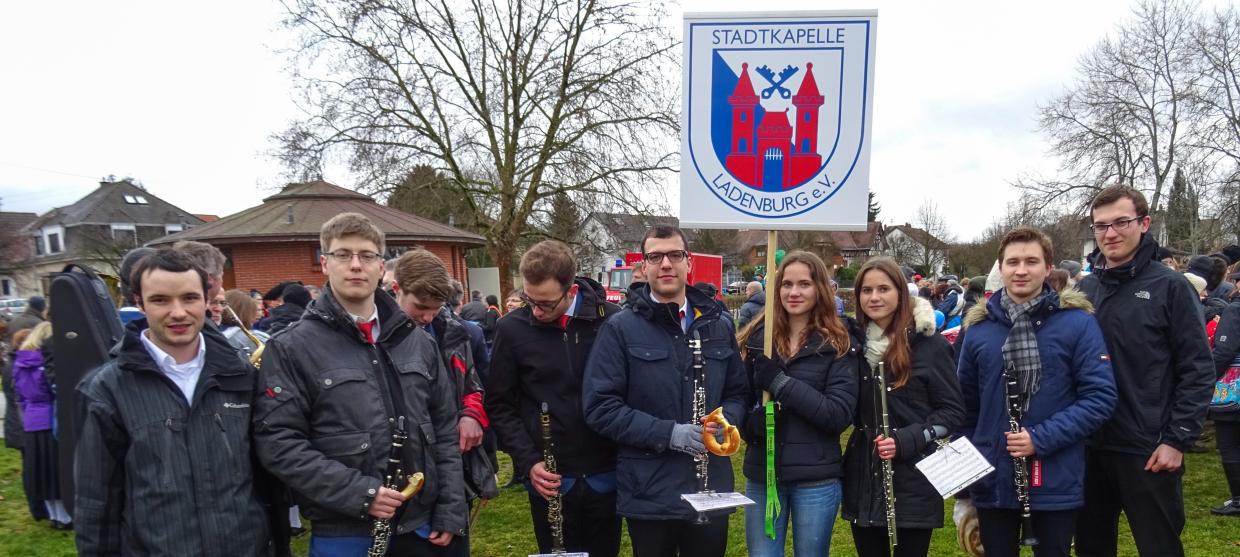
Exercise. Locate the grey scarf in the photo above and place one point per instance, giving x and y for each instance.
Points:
(1020, 350)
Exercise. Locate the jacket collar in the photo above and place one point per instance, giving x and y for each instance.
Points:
(449, 331)
(1069, 298)
(1140, 260)
(328, 310)
(591, 297)
(643, 305)
(221, 357)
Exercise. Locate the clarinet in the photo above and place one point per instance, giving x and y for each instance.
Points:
(701, 461)
(889, 486)
(381, 529)
(555, 510)
(1020, 464)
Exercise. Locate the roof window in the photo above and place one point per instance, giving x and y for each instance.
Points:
(135, 200)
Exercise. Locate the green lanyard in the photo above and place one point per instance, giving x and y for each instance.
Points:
(772, 494)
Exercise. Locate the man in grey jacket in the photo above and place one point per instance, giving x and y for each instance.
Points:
(163, 463)
(332, 391)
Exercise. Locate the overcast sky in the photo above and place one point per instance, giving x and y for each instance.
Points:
(184, 96)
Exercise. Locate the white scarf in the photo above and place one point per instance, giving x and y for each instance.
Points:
(876, 343)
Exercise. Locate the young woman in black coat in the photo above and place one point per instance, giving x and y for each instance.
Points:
(812, 377)
(924, 403)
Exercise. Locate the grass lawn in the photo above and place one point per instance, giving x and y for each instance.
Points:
(503, 528)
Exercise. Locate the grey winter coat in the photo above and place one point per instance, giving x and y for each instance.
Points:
(321, 418)
(755, 305)
(156, 475)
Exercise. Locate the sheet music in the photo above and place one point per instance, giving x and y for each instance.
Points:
(703, 502)
(954, 467)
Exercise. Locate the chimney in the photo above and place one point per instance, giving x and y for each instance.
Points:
(451, 220)
(290, 213)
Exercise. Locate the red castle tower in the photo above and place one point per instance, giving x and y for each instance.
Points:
(805, 158)
(774, 158)
(741, 161)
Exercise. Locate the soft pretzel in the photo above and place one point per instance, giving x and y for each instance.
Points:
(731, 435)
(415, 485)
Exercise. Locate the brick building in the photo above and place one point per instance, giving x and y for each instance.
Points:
(279, 240)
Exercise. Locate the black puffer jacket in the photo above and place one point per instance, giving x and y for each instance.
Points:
(283, 316)
(321, 418)
(930, 397)
(156, 475)
(535, 362)
(815, 406)
(1152, 322)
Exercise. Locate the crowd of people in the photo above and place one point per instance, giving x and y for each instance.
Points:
(225, 417)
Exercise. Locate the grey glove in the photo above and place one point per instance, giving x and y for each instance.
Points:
(687, 438)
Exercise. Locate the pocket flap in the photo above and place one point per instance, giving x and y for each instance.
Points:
(428, 433)
(332, 378)
(343, 444)
(647, 353)
(718, 352)
(413, 366)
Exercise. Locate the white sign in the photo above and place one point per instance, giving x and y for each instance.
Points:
(777, 117)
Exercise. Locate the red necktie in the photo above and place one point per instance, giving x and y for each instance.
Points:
(564, 321)
(367, 329)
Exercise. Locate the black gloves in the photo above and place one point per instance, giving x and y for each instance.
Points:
(766, 371)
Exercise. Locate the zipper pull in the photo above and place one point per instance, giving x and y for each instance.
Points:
(219, 422)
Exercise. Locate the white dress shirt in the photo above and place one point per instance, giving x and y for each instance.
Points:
(185, 375)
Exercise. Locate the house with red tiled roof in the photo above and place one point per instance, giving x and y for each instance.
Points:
(278, 240)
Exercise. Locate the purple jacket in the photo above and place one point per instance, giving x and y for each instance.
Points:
(33, 393)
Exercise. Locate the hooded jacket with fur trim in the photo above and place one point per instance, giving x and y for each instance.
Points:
(1075, 397)
(930, 397)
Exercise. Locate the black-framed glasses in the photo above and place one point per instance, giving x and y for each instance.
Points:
(547, 307)
(1121, 224)
(656, 257)
(346, 256)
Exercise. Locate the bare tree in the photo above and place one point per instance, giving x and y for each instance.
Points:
(514, 101)
(923, 243)
(1125, 119)
(1217, 40)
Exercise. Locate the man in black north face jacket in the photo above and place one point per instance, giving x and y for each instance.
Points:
(1151, 321)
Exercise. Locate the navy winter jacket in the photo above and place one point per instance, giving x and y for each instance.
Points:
(1076, 396)
(639, 383)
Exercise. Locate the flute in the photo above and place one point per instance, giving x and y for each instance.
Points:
(889, 486)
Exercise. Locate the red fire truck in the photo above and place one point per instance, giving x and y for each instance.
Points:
(704, 268)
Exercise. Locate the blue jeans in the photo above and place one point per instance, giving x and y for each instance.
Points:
(812, 505)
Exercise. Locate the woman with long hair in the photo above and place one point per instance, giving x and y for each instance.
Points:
(813, 376)
(40, 475)
(923, 404)
(246, 309)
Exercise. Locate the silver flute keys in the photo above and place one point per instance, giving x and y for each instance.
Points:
(889, 486)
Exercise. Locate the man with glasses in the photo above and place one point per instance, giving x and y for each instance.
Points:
(639, 391)
(1151, 321)
(539, 356)
(332, 390)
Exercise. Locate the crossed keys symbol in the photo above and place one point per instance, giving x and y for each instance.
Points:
(769, 76)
